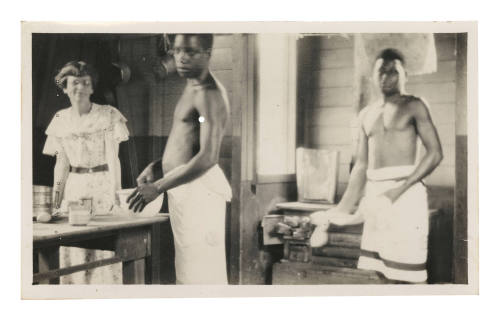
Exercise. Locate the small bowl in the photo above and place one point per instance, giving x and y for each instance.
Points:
(151, 209)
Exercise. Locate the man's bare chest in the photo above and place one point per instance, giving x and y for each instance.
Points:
(185, 110)
(388, 119)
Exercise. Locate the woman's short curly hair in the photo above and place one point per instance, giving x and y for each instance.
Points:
(76, 69)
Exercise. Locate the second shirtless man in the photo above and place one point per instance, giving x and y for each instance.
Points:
(388, 173)
(196, 187)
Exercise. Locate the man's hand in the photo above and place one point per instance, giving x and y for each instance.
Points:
(394, 193)
(146, 176)
(141, 196)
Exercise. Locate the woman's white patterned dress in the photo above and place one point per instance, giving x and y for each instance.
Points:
(88, 141)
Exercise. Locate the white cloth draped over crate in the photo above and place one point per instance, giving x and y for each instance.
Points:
(198, 213)
(89, 140)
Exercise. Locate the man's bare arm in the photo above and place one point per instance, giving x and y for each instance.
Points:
(357, 179)
(211, 107)
(150, 174)
(430, 139)
(339, 215)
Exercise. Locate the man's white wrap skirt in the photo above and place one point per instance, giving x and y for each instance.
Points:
(394, 240)
(198, 212)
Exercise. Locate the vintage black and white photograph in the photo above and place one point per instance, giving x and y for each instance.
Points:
(181, 157)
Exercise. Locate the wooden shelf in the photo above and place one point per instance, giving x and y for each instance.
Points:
(304, 207)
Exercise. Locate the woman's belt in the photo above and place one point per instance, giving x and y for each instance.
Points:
(85, 170)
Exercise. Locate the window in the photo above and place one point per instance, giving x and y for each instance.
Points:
(276, 104)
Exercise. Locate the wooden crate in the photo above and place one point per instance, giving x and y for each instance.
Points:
(268, 229)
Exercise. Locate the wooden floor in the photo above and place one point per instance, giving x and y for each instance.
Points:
(297, 273)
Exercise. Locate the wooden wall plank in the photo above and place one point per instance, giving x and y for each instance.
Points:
(330, 135)
(446, 133)
(448, 154)
(434, 93)
(329, 97)
(445, 46)
(443, 175)
(335, 41)
(222, 59)
(334, 77)
(223, 41)
(334, 58)
(443, 113)
(446, 72)
(328, 116)
(461, 237)
(225, 77)
(345, 151)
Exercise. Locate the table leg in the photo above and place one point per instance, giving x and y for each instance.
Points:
(132, 246)
(143, 254)
(153, 261)
(48, 259)
(134, 271)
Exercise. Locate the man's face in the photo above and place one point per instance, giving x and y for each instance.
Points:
(389, 78)
(190, 57)
(78, 88)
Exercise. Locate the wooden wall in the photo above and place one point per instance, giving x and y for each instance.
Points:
(257, 200)
(329, 110)
(460, 246)
(439, 90)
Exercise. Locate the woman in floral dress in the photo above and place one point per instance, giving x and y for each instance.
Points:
(85, 138)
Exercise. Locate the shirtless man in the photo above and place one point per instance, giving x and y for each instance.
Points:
(196, 187)
(388, 174)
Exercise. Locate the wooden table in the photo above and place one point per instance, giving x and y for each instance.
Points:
(135, 242)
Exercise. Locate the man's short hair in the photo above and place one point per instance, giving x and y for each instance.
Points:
(76, 69)
(391, 54)
(206, 39)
